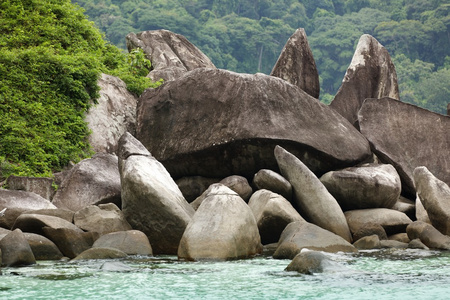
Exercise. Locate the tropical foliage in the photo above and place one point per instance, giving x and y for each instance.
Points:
(248, 35)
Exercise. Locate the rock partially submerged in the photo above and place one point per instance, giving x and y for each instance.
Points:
(217, 123)
(407, 137)
(371, 74)
(428, 235)
(151, 200)
(309, 262)
(171, 54)
(296, 64)
(15, 250)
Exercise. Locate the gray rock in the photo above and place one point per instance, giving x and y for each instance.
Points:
(35, 223)
(300, 235)
(115, 266)
(217, 123)
(393, 244)
(171, 54)
(371, 74)
(296, 64)
(428, 235)
(368, 242)
(434, 194)
(193, 186)
(316, 204)
(405, 206)
(43, 186)
(56, 212)
(272, 213)
(309, 262)
(392, 221)
(132, 242)
(210, 190)
(112, 115)
(70, 242)
(421, 213)
(400, 237)
(92, 181)
(272, 181)
(22, 201)
(407, 137)
(238, 184)
(100, 253)
(103, 219)
(222, 228)
(368, 230)
(367, 186)
(15, 250)
(151, 200)
(417, 244)
(42, 247)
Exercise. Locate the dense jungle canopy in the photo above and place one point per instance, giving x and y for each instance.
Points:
(248, 35)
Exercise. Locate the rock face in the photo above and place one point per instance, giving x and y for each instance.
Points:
(151, 200)
(216, 123)
(299, 235)
(434, 194)
(103, 219)
(132, 242)
(272, 213)
(112, 115)
(369, 186)
(407, 137)
(316, 204)
(371, 74)
(15, 250)
(392, 221)
(222, 228)
(92, 181)
(296, 64)
(171, 54)
(272, 181)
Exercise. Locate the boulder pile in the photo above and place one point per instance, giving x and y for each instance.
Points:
(222, 165)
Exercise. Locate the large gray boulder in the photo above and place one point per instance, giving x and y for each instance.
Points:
(371, 74)
(316, 204)
(407, 137)
(92, 181)
(42, 247)
(193, 186)
(104, 218)
(15, 250)
(132, 242)
(222, 228)
(151, 200)
(272, 181)
(217, 123)
(272, 213)
(428, 235)
(112, 115)
(296, 64)
(70, 242)
(35, 223)
(300, 235)
(434, 194)
(16, 202)
(392, 221)
(171, 54)
(368, 186)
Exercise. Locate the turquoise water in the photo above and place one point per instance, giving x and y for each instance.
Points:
(388, 274)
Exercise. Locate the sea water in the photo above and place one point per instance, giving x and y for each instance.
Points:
(384, 274)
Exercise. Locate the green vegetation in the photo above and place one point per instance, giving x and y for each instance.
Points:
(248, 35)
(51, 57)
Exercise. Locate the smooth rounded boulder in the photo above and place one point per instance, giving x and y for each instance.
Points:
(218, 123)
(300, 235)
(316, 204)
(92, 181)
(407, 136)
(151, 200)
(434, 194)
(367, 186)
(428, 235)
(100, 253)
(272, 181)
(309, 262)
(239, 184)
(296, 64)
(42, 247)
(272, 213)
(35, 223)
(371, 74)
(104, 218)
(222, 228)
(15, 250)
(132, 242)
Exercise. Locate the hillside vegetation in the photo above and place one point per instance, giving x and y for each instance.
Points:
(248, 35)
(51, 57)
